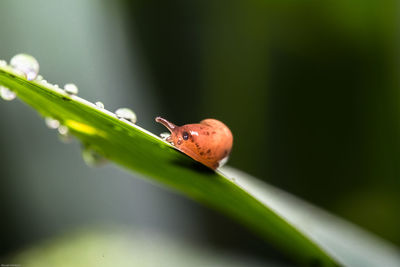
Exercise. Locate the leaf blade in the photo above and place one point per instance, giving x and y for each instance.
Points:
(146, 154)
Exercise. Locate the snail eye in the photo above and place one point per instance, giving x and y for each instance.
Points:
(185, 136)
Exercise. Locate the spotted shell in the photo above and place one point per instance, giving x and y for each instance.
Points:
(209, 142)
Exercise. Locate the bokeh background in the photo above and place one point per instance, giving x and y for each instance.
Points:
(310, 90)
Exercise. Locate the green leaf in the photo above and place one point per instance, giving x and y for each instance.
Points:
(309, 236)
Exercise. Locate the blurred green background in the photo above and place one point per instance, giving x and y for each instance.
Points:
(310, 90)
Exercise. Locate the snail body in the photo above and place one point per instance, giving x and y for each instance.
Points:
(208, 142)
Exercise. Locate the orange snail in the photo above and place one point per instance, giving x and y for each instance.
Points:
(208, 142)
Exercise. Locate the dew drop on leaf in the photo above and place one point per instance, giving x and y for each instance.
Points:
(63, 130)
(7, 94)
(64, 135)
(164, 135)
(126, 113)
(26, 64)
(71, 89)
(3, 63)
(92, 158)
(52, 123)
(99, 104)
(44, 82)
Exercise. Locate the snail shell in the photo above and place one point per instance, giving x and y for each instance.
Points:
(209, 142)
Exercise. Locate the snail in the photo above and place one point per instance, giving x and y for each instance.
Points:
(208, 142)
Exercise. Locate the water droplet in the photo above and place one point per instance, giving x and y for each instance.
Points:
(63, 130)
(39, 78)
(3, 63)
(71, 89)
(99, 104)
(64, 134)
(52, 123)
(126, 113)
(7, 94)
(92, 158)
(165, 135)
(26, 64)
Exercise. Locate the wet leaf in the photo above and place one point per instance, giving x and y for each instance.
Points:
(307, 234)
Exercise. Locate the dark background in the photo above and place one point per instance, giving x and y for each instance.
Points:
(309, 89)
